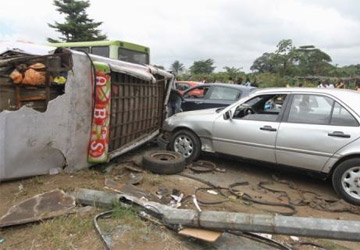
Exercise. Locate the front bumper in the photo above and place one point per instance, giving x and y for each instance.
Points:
(162, 142)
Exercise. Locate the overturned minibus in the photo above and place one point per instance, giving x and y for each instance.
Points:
(64, 109)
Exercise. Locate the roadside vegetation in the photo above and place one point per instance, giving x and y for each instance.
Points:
(288, 65)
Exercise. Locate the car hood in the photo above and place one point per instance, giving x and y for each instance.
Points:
(197, 112)
(192, 119)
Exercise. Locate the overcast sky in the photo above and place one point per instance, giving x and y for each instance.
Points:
(232, 32)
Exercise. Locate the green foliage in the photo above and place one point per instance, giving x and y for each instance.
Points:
(286, 66)
(287, 60)
(232, 72)
(266, 80)
(77, 26)
(177, 67)
(203, 67)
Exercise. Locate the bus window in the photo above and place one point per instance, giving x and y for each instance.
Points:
(133, 56)
(85, 49)
(100, 50)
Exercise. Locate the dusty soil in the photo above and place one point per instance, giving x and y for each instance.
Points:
(76, 231)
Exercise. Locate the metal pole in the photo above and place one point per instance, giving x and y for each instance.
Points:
(261, 223)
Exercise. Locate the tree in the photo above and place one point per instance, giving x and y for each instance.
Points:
(77, 26)
(313, 61)
(232, 71)
(177, 67)
(203, 67)
(265, 63)
(285, 57)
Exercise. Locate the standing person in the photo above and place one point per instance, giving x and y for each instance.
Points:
(254, 84)
(358, 85)
(239, 81)
(231, 80)
(174, 103)
(247, 82)
(321, 85)
(340, 84)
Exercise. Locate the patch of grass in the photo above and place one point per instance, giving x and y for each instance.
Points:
(127, 215)
(331, 245)
(64, 232)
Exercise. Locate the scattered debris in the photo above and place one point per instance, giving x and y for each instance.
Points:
(130, 190)
(134, 179)
(294, 238)
(176, 200)
(98, 230)
(210, 191)
(162, 192)
(267, 236)
(133, 166)
(310, 198)
(202, 234)
(202, 166)
(196, 203)
(40, 207)
(260, 223)
(307, 243)
(2, 240)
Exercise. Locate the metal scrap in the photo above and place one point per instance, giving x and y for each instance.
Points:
(40, 207)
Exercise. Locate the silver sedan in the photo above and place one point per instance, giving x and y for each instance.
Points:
(313, 129)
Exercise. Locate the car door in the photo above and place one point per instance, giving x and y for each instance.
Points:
(195, 98)
(315, 127)
(249, 135)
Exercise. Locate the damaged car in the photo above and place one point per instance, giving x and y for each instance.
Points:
(67, 110)
(311, 129)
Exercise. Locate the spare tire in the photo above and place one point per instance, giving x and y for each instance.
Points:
(164, 162)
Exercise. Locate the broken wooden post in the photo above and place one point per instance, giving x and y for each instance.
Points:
(216, 220)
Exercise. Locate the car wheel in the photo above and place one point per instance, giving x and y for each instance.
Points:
(164, 162)
(187, 144)
(346, 180)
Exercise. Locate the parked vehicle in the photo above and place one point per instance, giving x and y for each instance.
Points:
(115, 49)
(213, 96)
(182, 86)
(312, 129)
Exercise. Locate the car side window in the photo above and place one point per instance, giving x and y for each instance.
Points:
(261, 108)
(198, 92)
(182, 86)
(224, 93)
(342, 117)
(312, 109)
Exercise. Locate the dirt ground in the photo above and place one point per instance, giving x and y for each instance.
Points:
(127, 231)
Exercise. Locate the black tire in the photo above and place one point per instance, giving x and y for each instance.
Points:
(342, 182)
(191, 139)
(164, 162)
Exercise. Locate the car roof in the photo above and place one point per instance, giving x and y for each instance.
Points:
(348, 96)
(192, 82)
(236, 86)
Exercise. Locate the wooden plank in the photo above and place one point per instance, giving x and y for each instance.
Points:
(202, 234)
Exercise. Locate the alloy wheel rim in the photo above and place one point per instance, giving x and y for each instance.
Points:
(184, 145)
(350, 182)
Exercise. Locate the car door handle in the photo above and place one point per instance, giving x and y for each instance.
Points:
(268, 128)
(339, 134)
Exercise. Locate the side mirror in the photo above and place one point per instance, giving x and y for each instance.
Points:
(228, 115)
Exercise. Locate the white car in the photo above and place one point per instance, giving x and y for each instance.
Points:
(313, 129)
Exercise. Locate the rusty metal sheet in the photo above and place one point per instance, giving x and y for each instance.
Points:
(40, 207)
